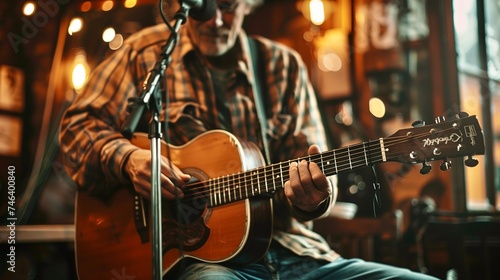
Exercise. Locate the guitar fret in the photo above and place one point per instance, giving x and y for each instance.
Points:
(219, 191)
(281, 175)
(234, 192)
(228, 189)
(272, 174)
(222, 192)
(364, 151)
(258, 181)
(256, 184)
(211, 190)
(265, 180)
(349, 156)
(335, 161)
(224, 189)
(239, 185)
(322, 163)
(251, 185)
(382, 149)
(246, 187)
(235, 187)
(215, 190)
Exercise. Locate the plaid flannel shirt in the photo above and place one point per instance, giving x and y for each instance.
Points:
(95, 150)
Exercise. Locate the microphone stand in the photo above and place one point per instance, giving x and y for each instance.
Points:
(151, 98)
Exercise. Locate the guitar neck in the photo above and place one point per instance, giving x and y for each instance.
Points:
(268, 179)
(460, 136)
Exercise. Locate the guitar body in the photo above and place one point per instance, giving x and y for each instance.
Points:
(113, 234)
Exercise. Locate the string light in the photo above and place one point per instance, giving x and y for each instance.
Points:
(130, 3)
(108, 35)
(107, 6)
(80, 71)
(376, 107)
(86, 6)
(29, 8)
(75, 25)
(317, 12)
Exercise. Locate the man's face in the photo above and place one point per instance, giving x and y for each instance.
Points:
(218, 35)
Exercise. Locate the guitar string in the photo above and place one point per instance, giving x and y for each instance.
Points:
(340, 155)
(248, 175)
(246, 187)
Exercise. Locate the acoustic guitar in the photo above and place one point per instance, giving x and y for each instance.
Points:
(226, 214)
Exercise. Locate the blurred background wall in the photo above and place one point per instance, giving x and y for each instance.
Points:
(377, 67)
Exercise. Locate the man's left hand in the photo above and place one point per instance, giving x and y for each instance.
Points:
(308, 186)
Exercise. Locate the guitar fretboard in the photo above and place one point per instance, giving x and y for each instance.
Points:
(268, 179)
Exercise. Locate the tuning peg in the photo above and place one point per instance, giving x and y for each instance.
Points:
(445, 165)
(471, 162)
(458, 115)
(418, 123)
(426, 168)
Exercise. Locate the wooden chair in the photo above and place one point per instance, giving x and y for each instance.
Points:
(372, 239)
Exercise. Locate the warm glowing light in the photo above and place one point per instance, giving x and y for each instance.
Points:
(79, 76)
(29, 8)
(116, 43)
(130, 3)
(108, 35)
(107, 6)
(353, 189)
(376, 107)
(347, 120)
(80, 71)
(317, 12)
(75, 25)
(329, 62)
(86, 6)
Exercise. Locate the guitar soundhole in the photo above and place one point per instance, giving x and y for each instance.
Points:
(184, 226)
(191, 207)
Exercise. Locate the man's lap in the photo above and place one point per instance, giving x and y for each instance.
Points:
(280, 263)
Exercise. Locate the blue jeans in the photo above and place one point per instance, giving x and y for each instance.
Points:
(280, 263)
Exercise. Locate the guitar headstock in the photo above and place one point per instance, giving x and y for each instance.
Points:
(458, 136)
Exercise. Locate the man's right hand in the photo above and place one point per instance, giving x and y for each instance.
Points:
(138, 168)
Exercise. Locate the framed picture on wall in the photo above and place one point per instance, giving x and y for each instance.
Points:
(11, 89)
(10, 135)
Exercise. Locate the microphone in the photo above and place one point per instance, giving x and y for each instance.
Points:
(200, 10)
